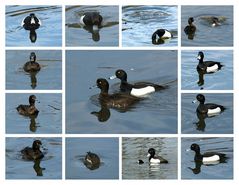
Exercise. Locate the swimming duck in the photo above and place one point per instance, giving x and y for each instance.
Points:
(208, 156)
(92, 19)
(207, 66)
(160, 35)
(31, 23)
(138, 89)
(190, 28)
(215, 22)
(32, 65)
(92, 161)
(28, 110)
(34, 152)
(154, 159)
(117, 100)
(210, 109)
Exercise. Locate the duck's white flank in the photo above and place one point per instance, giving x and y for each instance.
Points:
(211, 159)
(213, 68)
(214, 111)
(142, 91)
(167, 34)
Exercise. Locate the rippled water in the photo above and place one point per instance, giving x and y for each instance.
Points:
(189, 170)
(157, 113)
(140, 22)
(220, 80)
(220, 124)
(49, 119)
(78, 36)
(49, 77)
(134, 149)
(49, 33)
(206, 35)
(106, 148)
(17, 168)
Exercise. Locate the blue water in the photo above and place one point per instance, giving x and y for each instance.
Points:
(220, 124)
(157, 113)
(206, 35)
(134, 149)
(49, 77)
(76, 35)
(140, 22)
(48, 121)
(216, 171)
(221, 80)
(106, 148)
(17, 168)
(49, 33)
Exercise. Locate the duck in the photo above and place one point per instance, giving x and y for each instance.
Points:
(91, 19)
(207, 66)
(32, 65)
(160, 35)
(190, 28)
(31, 22)
(33, 153)
(28, 110)
(139, 89)
(92, 160)
(117, 100)
(154, 159)
(208, 156)
(215, 22)
(209, 109)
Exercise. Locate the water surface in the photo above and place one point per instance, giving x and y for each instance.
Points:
(134, 149)
(206, 35)
(49, 33)
(193, 123)
(77, 35)
(157, 113)
(189, 170)
(140, 22)
(220, 80)
(106, 148)
(49, 77)
(50, 166)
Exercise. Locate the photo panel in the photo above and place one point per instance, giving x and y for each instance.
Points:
(207, 113)
(33, 158)
(149, 25)
(149, 158)
(33, 70)
(207, 69)
(92, 25)
(150, 106)
(207, 25)
(92, 158)
(35, 113)
(207, 158)
(30, 25)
